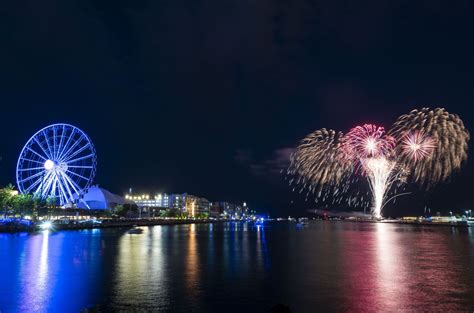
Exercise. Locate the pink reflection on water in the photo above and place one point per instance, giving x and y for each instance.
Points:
(392, 268)
(391, 291)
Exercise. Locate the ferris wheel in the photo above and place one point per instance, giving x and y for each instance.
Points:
(58, 161)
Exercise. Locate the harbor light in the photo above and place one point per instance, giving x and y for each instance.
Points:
(46, 225)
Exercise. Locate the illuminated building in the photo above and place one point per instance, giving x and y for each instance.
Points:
(185, 203)
(100, 199)
(228, 209)
(197, 206)
(160, 200)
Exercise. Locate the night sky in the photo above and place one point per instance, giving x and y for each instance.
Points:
(209, 97)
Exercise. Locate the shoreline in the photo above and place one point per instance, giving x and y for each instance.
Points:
(450, 224)
(416, 223)
(9, 229)
(19, 228)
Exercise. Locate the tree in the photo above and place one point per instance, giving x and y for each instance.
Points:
(7, 199)
(203, 215)
(121, 210)
(23, 204)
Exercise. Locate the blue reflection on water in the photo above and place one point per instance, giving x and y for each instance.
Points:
(50, 272)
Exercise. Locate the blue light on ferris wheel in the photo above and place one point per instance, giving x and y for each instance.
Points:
(59, 161)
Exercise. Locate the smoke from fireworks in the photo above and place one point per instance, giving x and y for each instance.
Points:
(424, 146)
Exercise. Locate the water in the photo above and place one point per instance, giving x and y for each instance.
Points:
(327, 266)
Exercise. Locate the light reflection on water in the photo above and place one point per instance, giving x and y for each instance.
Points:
(237, 267)
(391, 272)
(34, 269)
(192, 264)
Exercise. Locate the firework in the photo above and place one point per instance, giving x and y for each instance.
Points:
(417, 146)
(424, 147)
(380, 175)
(318, 161)
(371, 148)
(368, 141)
(443, 144)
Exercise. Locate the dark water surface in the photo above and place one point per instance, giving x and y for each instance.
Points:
(327, 266)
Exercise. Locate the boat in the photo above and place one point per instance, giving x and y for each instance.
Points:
(302, 222)
(135, 231)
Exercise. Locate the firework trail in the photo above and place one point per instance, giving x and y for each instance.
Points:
(424, 147)
(371, 149)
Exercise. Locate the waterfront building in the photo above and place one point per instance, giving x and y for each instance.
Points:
(185, 203)
(97, 198)
(178, 201)
(216, 210)
(160, 200)
(228, 209)
(190, 205)
(197, 206)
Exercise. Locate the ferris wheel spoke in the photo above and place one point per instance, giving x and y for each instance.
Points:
(80, 166)
(45, 183)
(32, 176)
(54, 142)
(66, 154)
(66, 145)
(48, 192)
(33, 185)
(64, 188)
(33, 161)
(41, 182)
(61, 140)
(60, 191)
(31, 169)
(79, 159)
(42, 148)
(47, 143)
(66, 159)
(53, 186)
(37, 153)
(66, 184)
(73, 184)
(78, 175)
(63, 195)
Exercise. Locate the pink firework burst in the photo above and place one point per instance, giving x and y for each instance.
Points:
(417, 145)
(368, 141)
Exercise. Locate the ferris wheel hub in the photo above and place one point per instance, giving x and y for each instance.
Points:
(63, 166)
(49, 165)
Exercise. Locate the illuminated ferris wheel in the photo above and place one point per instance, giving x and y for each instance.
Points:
(59, 161)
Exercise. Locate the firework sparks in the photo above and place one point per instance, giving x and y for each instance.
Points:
(318, 163)
(417, 146)
(444, 138)
(424, 146)
(368, 141)
(380, 174)
(371, 147)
